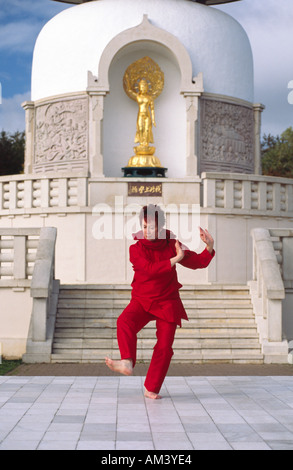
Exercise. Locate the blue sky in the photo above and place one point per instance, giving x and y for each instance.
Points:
(268, 23)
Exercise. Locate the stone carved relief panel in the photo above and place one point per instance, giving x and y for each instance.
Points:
(227, 137)
(61, 130)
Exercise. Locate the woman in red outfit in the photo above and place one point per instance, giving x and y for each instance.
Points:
(155, 295)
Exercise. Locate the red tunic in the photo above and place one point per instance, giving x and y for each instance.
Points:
(155, 284)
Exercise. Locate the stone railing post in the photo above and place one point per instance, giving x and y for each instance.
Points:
(44, 291)
(42, 283)
(267, 297)
(272, 285)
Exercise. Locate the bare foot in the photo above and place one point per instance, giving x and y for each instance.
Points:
(152, 395)
(123, 367)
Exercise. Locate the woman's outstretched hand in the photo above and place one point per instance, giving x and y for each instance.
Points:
(179, 251)
(179, 254)
(207, 239)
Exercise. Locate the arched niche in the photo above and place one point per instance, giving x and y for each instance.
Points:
(110, 144)
(120, 113)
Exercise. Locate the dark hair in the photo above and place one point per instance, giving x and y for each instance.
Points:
(152, 212)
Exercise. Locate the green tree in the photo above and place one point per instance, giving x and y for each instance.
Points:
(277, 154)
(11, 153)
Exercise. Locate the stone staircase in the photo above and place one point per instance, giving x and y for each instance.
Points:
(221, 325)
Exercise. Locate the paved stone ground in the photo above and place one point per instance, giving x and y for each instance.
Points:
(85, 406)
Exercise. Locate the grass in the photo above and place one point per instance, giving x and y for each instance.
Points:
(7, 366)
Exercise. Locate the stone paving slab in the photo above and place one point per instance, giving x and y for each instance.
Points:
(111, 413)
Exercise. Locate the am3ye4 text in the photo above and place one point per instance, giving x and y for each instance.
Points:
(162, 459)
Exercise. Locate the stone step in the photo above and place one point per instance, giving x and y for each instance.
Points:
(184, 356)
(110, 288)
(124, 292)
(194, 343)
(103, 313)
(195, 317)
(125, 295)
(215, 322)
(194, 334)
(72, 304)
(221, 325)
(100, 336)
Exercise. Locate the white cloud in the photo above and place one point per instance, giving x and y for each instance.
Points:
(12, 115)
(33, 9)
(22, 20)
(271, 37)
(268, 24)
(18, 37)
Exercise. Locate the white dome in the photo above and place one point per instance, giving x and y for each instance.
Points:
(72, 43)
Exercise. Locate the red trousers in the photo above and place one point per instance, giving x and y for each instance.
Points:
(129, 323)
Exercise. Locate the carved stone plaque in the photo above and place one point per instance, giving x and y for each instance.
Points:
(227, 137)
(61, 133)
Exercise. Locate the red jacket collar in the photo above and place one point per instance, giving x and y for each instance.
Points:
(159, 243)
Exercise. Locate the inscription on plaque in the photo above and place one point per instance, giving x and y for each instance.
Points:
(144, 189)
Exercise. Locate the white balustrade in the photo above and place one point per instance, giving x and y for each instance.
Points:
(18, 249)
(237, 192)
(26, 192)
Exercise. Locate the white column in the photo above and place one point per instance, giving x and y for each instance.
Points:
(229, 194)
(192, 141)
(246, 195)
(45, 192)
(29, 108)
(96, 115)
(209, 191)
(192, 94)
(258, 109)
(19, 268)
(12, 195)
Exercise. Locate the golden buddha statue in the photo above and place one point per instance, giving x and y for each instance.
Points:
(143, 81)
